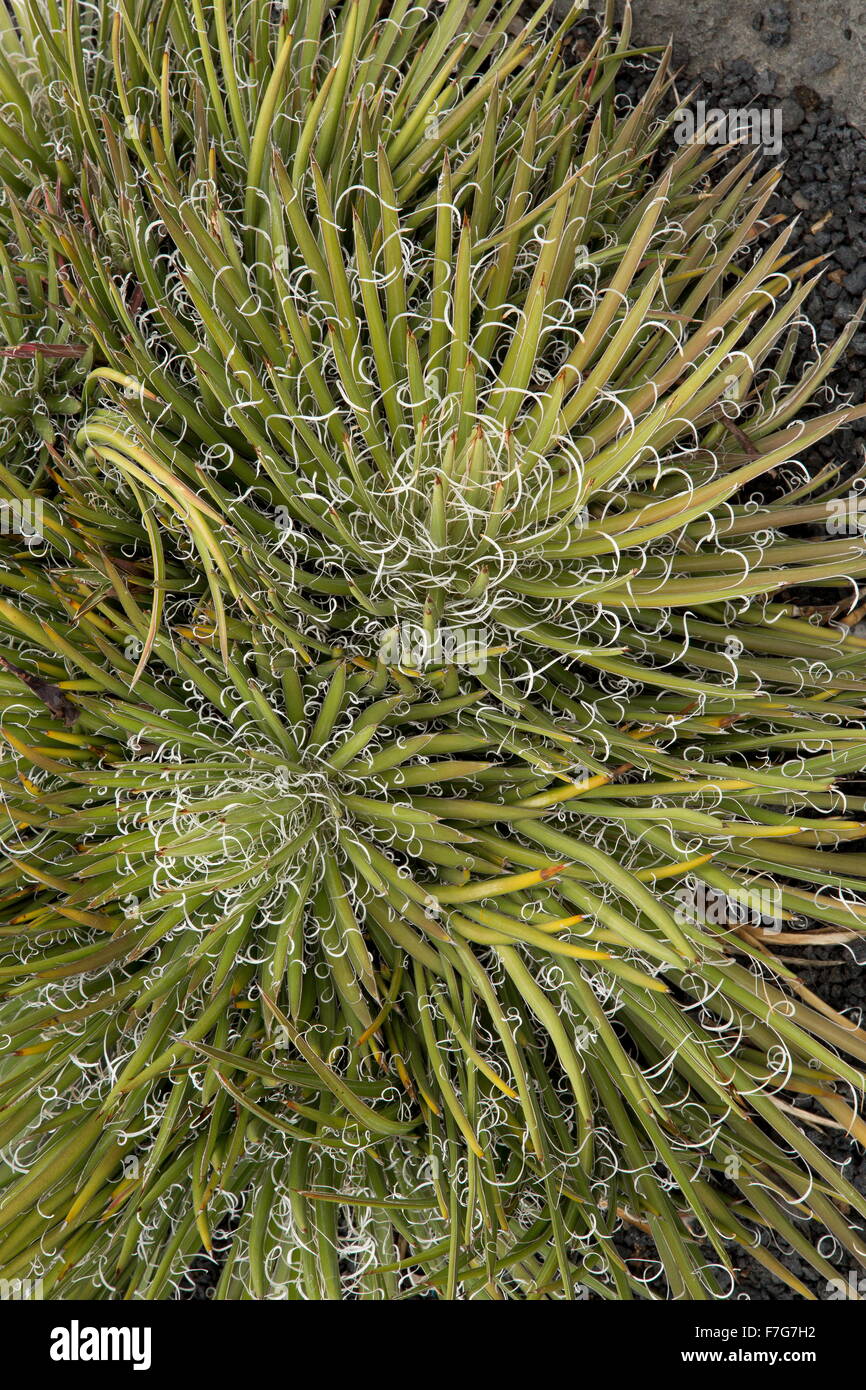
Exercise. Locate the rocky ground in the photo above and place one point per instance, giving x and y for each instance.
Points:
(819, 43)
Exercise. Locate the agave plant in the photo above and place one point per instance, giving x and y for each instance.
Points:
(41, 370)
(414, 652)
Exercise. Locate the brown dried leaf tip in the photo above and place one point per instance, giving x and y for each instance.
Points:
(51, 695)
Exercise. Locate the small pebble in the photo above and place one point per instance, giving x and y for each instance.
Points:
(793, 115)
(820, 63)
